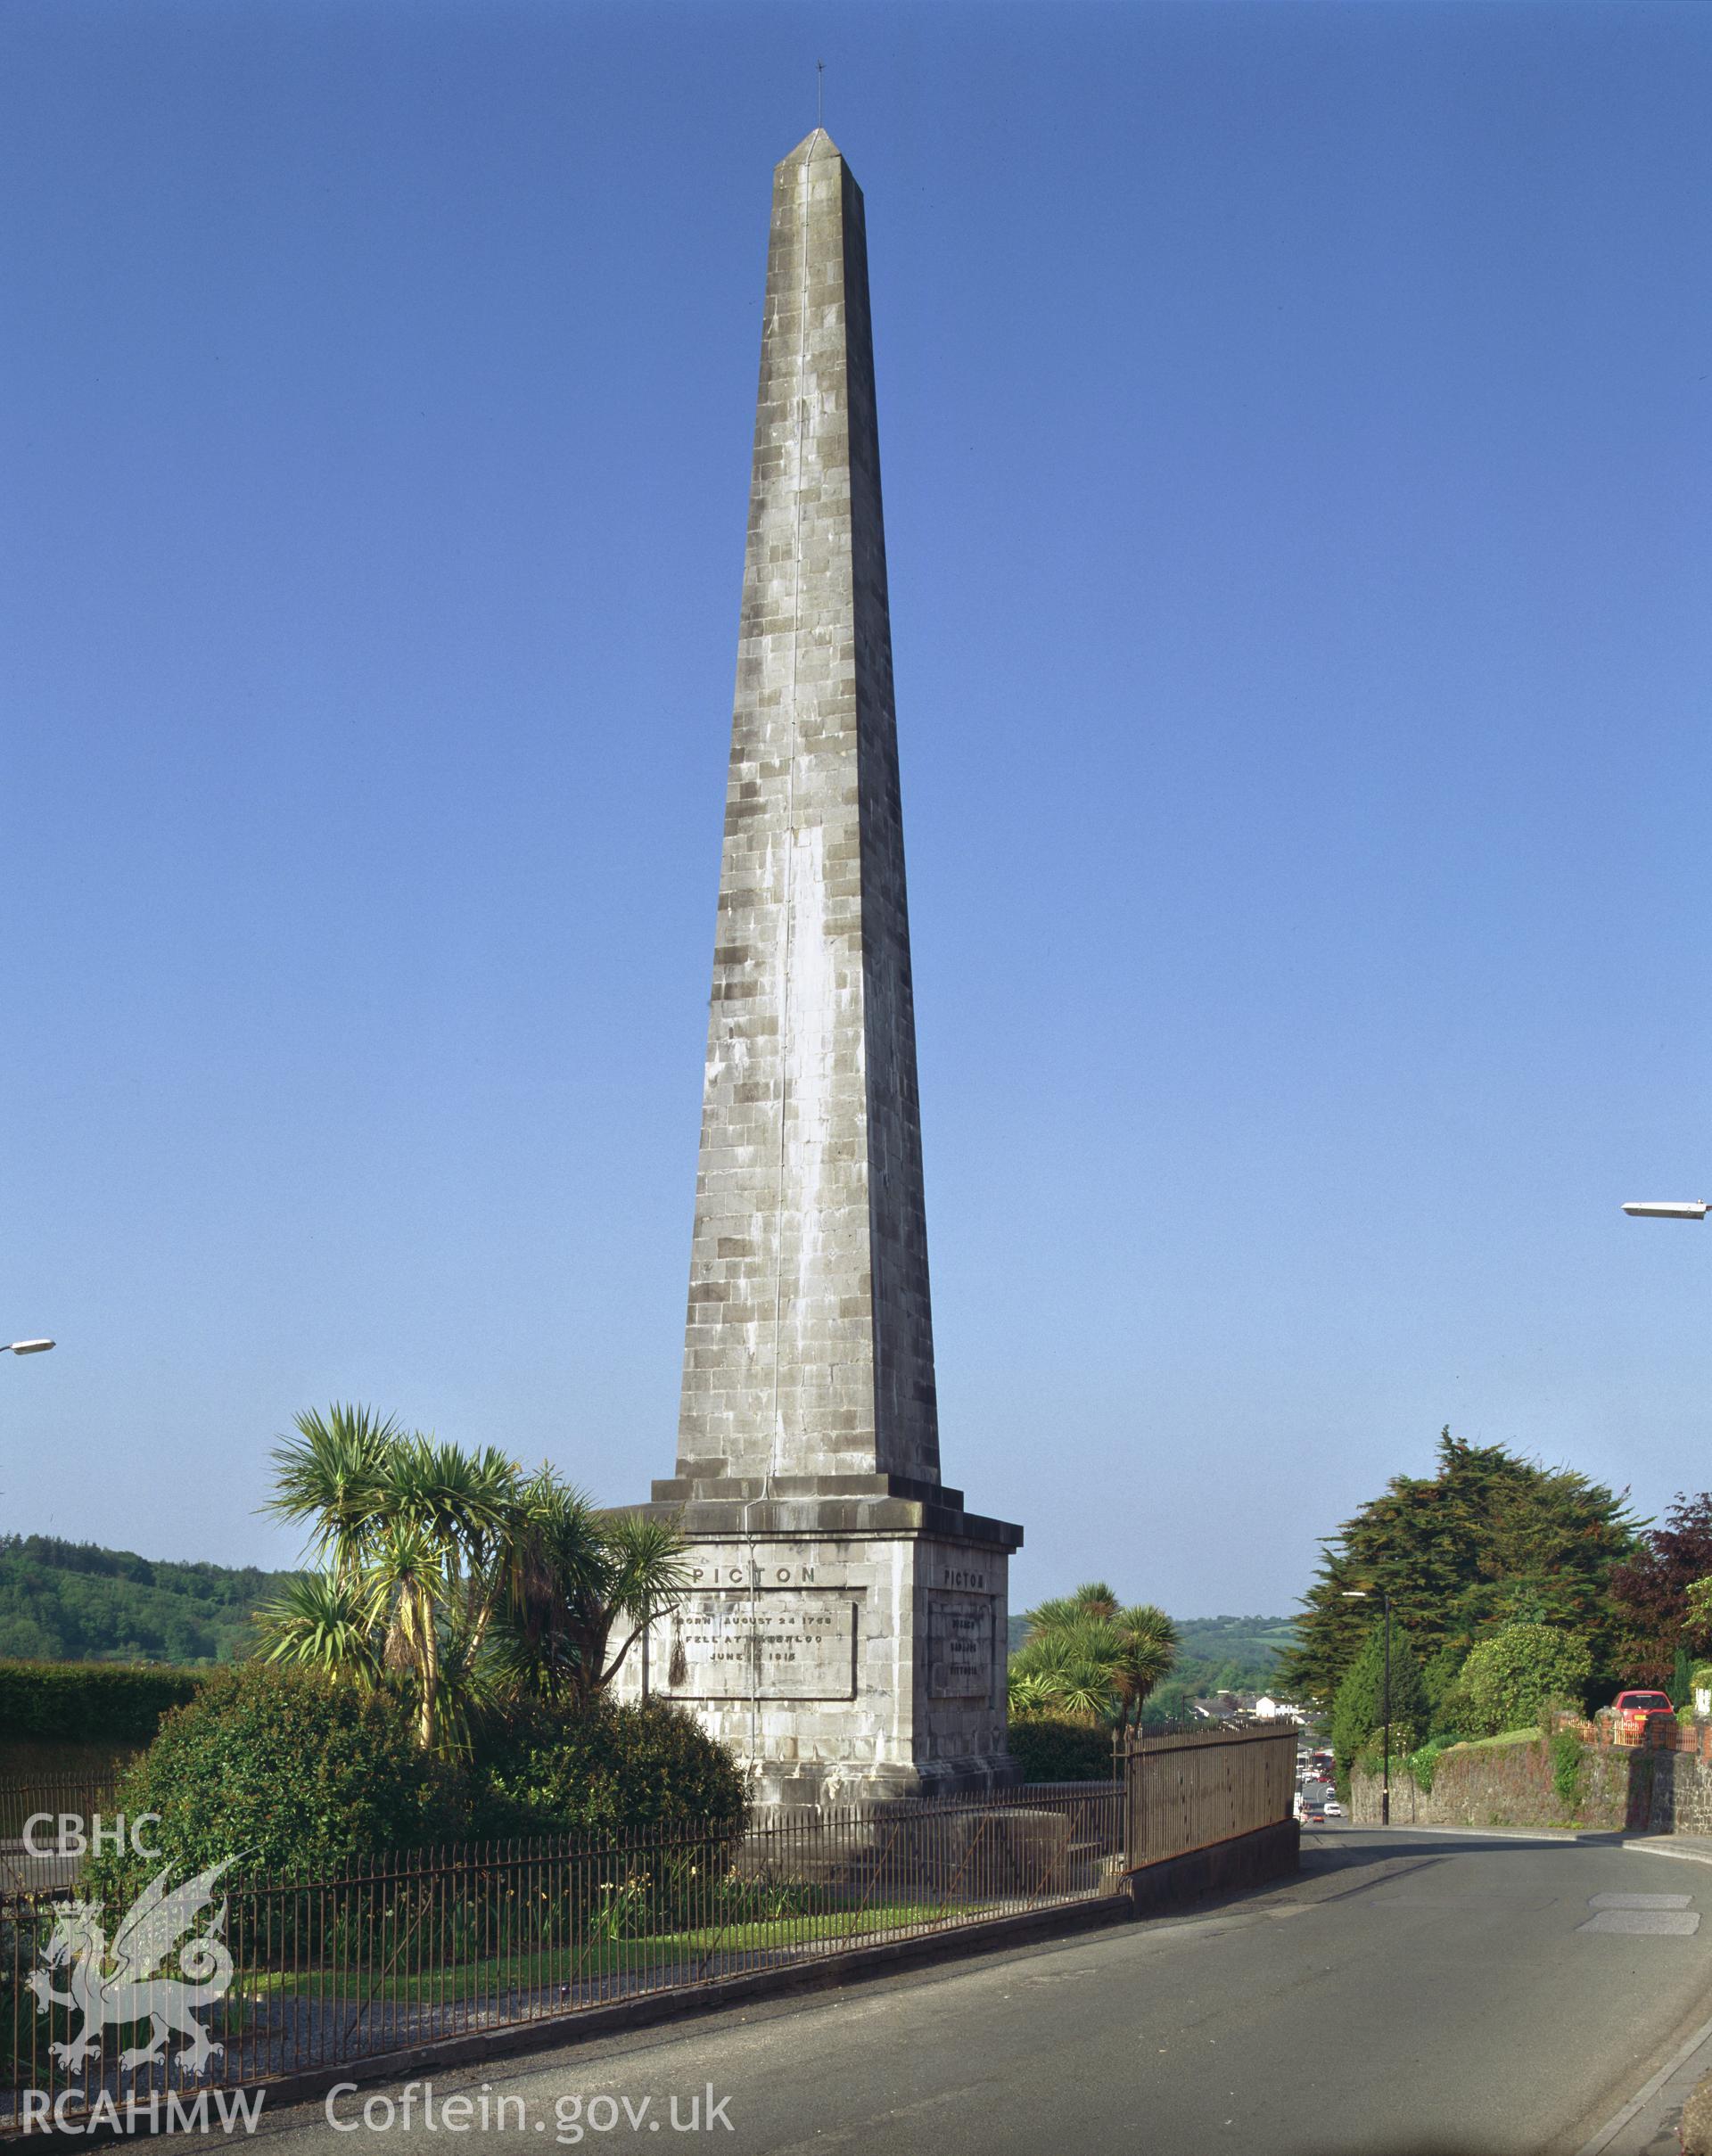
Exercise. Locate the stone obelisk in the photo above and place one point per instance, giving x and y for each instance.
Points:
(846, 1630)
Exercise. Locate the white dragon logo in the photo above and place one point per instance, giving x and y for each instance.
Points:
(118, 1984)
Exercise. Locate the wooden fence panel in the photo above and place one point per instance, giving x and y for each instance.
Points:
(1185, 1792)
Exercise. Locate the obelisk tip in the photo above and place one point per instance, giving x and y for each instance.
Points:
(814, 146)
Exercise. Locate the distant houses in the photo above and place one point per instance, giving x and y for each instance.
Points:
(1234, 1708)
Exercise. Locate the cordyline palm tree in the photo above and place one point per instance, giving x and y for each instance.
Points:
(453, 1573)
(1067, 1674)
(329, 1479)
(323, 1623)
(571, 1577)
(1147, 1650)
(442, 1516)
(1088, 1657)
(1093, 1600)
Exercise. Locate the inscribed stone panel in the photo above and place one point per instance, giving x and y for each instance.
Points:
(959, 1646)
(779, 1644)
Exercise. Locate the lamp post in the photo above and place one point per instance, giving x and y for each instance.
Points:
(1667, 1208)
(1363, 1594)
(26, 1347)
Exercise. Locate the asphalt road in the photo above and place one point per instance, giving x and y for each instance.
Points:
(1409, 1995)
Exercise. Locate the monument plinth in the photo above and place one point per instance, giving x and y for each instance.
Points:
(846, 1629)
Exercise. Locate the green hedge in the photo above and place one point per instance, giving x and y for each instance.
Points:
(90, 1702)
(1052, 1749)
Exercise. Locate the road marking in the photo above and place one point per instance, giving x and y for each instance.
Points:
(1658, 1923)
(1641, 1901)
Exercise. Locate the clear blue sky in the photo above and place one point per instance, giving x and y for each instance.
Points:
(1295, 423)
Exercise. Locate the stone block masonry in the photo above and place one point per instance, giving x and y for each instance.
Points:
(809, 1345)
(846, 1631)
(1618, 1790)
(841, 1667)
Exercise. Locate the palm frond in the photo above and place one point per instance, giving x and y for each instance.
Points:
(323, 1623)
(328, 1477)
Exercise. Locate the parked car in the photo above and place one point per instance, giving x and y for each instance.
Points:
(1633, 1711)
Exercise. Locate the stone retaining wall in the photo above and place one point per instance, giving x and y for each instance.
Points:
(1510, 1785)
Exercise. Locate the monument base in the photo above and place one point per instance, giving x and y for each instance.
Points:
(845, 1636)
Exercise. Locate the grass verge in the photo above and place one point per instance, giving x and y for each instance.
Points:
(542, 1968)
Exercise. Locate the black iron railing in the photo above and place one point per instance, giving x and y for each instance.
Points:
(405, 1950)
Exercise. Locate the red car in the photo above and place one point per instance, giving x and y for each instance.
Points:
(1631, 1710)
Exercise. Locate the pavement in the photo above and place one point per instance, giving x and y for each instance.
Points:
(1412, 1993)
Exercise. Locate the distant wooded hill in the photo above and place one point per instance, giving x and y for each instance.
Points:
(1231, 1653)
(1217, 1653)
(76, 1602)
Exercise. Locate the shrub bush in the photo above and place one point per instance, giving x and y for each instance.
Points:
(1423, 1764)
(283, 1771)
(90, 1702)
(621, 1772)
(1407, 1752)
(1050, 1749)
(1566, 1769)
(1512, 1673)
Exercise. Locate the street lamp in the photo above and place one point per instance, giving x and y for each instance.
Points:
(26, 1347)
(1667, 1208)
(1360, 1594)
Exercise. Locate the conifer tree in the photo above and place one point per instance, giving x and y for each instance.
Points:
(1488, 1539)
(1359, 1709)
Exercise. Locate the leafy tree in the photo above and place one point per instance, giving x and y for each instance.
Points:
(63, 1602)
(1360, 1708)
(1512, 1675)
(1652, 1591)
(1488, 1539)
(1438, 1678)
(1171, 1702)
(1087, 1657)
(1697, 1622)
